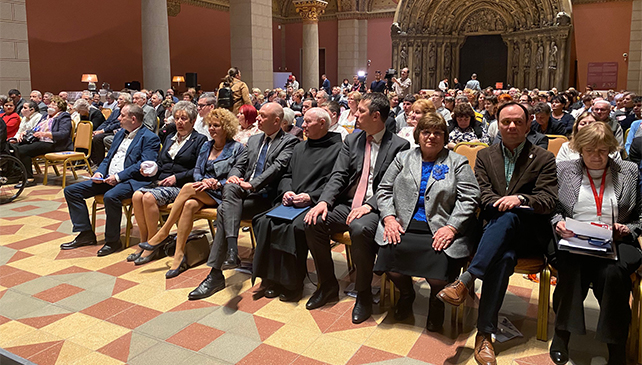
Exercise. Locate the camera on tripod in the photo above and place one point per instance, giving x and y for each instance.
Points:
(390, 73)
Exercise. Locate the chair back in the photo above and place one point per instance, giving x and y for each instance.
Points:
(84, 134)
(106, 112)
(469, 150)
(626, 134)
(555, 142)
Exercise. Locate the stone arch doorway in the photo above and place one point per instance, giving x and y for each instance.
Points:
(485, 55)
(428, 35)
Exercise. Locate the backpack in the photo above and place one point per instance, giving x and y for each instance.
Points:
(225, 97)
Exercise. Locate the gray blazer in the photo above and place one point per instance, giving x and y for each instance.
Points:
(451, 201)
(624, 176)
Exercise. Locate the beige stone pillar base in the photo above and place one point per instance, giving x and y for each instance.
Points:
(14, 53)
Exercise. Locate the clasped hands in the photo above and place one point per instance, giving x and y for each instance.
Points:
(240, 182)
(205, 184)
(392, 232)
(321, 209)
(620, 230)
(298, 200)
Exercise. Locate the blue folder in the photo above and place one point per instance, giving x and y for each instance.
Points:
(288, 213)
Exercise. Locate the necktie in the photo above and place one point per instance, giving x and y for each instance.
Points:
(362, 188)
(260, 163)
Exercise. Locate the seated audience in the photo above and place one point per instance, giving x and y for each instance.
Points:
(287, 124)
(560, 115)
(543, 122)
(30, 117)
(518, 183)
(420, 108)
(215, 159)
(15, 95)
(347, 119)
(247, 123)
(89, 114)
(117, 177)
(250, 190)
(601, 111)
(348, 203)
(175, 168)
(400, 120)
(410, 243)
(167, 125)
(51, 134)
(205, 104)
(567, 153)
(11, 118)
(36, 96)
(635, 125)
(107, 130)
(464, 127)
(334, 110)
(579, 199)
(140, 98)
(308, 104)
(110, 102)
(281, 252)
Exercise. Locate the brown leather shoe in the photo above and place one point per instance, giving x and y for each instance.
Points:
(454, 293)
(484, 351)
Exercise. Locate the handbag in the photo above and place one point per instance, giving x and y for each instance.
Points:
(197, 248)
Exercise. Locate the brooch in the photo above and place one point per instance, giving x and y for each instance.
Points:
(439, 172)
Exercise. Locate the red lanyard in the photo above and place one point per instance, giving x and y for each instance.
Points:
(598, 197)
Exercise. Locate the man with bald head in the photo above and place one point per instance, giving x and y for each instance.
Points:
(602, 110)
(281, 249)
(250, 189)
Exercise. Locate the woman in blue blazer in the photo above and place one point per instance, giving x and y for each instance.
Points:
(215, 160)
(175, 168)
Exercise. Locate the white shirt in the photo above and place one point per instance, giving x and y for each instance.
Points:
(408, 133)
(585, 209)
(118, 161)
(176, 146)
(444, 113)
(339, 129)
(402, 88)
(343, 119)
(374, 153)
(201, 128)
(111, 106)
(272, 137)
(29, 123)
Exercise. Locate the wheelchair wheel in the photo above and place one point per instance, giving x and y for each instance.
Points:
(12, 173)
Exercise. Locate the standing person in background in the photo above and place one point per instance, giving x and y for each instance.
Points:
(473, 84)
(402, 86)
(457, 85)
(326, 84)
(378, 85)
(240, 94)
(443, 85)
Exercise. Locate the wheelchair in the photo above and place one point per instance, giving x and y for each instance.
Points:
(13, 177)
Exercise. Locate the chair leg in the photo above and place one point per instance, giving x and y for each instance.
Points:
(393, 293)
(65, 166)
(36, 166)
(252, 238)
(73, 169)
(93, 215)
(382, 292)
(349, 258)
(543, 304)
(638, 288)
(91, 173)
(212, 229)
(44, 181)
(56, 170)
(128, 227)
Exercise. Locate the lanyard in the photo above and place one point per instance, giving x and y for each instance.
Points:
(598, 197)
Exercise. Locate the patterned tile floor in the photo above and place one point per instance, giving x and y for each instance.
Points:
(70, 307)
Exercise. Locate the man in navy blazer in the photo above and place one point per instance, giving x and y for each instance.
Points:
(107, 128)
(117, 177)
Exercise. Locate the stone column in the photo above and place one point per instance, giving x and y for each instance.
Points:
(634, 76)
(353, 46)
(310, 10)
(251, 40)
(14, 52)
(155, 34)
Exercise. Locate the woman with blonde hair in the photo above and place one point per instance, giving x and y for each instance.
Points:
(347, 119)
(215, 160)
(567, 153)
(420, 108)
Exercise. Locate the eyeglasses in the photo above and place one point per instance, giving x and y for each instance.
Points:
(507, 122)
(427, 133)
(199, 106)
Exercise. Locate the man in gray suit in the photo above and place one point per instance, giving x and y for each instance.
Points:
(348, 203)
(149, 120)
(250, 189)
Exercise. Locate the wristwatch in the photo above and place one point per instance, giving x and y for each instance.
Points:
(522, 200)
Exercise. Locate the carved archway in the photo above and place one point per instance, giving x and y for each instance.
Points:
(427, 36)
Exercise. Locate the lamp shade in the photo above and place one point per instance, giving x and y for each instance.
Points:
(178, 79)
(89, 78)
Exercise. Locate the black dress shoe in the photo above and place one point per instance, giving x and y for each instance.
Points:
(404, 306)
(134, 256)
(559, 347)
(83, 239)
(232, 261)
(27, 184)
(271, 293)
(208, 287)
(362, 308)
(181, 268)
(291, 295)
(322, 297)
(109, 248)
(435, 322)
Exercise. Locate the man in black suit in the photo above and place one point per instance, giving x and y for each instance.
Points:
(250, 189)
(348, 203)
(157, 103)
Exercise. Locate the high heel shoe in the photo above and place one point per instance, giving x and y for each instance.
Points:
(181, 268)
(134, 256)
(146, 246)
(156, 254)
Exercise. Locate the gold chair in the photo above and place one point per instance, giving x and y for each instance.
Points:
(106, 112)
(127, 208)
(37, 160)
(555, 142)
(82, 140)
(469, 150)
(626, 134)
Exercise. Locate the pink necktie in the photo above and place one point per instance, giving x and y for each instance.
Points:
(360, 194)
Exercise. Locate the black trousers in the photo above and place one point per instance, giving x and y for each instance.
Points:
(506, 237)
(24, 152)
(237, 204)
(364, 249)
(98, 147)
(611, 282)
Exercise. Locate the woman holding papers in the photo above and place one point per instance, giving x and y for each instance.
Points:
(174, 168)
(427, 201)
(598, 190)
(215, 160)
